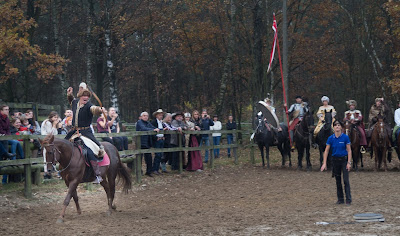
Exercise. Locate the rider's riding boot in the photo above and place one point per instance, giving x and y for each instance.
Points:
(293, 147)
(96, 169)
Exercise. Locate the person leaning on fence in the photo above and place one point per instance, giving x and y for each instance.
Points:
(120, 142)
(197, 122)
(32, 120)
(177, 121)
(167, 157)
(194, 162)
(103, 127)
(230, 125)
(341, 159)
(5, 130)
(205, 124)
(216, 136)
(159, 139)
(146, 140)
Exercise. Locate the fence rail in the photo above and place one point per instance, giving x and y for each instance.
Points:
(133, 158)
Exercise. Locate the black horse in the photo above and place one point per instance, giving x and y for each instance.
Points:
(323, 136)
(265, 137)
(301, 138)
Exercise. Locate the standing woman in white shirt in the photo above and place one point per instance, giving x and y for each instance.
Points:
(50, 126)
(216, 136)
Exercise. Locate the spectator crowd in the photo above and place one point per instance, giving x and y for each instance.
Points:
(18, 123)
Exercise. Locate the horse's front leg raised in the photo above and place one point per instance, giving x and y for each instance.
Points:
(71, 189)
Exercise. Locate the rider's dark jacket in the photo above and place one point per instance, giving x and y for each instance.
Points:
(82, 118)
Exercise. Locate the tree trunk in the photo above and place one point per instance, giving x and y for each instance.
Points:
(55, 23)
(285, 55)
(109, 61)
(228, 60)
(89, 45)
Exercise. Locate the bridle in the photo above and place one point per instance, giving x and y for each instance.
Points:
(53, 152)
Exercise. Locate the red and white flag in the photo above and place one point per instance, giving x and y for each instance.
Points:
(275, 28)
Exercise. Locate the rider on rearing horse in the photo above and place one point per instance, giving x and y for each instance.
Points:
(297, 112)
(83, 111)
(355, 117)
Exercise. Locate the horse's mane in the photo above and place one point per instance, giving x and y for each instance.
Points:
(47, 139)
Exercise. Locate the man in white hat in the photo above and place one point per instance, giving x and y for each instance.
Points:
(159, 139)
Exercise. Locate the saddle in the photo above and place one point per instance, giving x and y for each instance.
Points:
(89, 174)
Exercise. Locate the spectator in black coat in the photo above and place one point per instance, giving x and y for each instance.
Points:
(146, 140)
(230, 125)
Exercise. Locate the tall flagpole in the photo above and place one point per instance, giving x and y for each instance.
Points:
(283, 87)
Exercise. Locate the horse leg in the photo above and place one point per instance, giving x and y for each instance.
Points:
(106, 187)
(300, 152)
(282, 151)
(111, 183)
(262, 155)
(71, 189)
(384, 158)
(289, 154)
(308, 159)
(361, 159)
(75, 196)
(376, 158)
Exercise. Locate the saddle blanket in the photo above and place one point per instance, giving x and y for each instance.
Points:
(105, 161)
(88, 142)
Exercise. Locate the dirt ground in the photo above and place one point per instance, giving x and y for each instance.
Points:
(230, 200)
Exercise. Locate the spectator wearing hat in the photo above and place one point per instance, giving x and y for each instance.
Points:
(177, 122)
(146, 140)
(216, 136)
(230, 125)
(158, 139)
(205, 124)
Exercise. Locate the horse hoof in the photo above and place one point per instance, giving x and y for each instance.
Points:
(60, 221)
(79, 212)
(114, 207)
(299, 168)
(109, 213)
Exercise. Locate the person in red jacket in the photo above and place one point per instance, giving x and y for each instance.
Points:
(5, 130)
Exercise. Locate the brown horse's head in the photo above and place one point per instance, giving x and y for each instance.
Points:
(49, 152)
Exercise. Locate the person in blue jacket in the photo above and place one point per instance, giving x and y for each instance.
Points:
(341, 158)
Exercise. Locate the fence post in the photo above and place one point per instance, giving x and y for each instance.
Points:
(27, 170)
(235, 149)
(211, 151)
(180, 153)
(138, 160)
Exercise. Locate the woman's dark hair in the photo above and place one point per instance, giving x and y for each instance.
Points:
(52, 114)
(338, 122)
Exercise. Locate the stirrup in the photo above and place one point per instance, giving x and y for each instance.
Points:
(362, 150)
(98, 179)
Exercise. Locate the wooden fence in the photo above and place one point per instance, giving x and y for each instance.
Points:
(34, 165)
(35, 107)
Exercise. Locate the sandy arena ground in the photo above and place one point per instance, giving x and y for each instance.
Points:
(230, 200)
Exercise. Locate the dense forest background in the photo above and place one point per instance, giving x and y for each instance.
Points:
(141, 55)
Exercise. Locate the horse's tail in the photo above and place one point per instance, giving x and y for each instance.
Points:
(123, 173)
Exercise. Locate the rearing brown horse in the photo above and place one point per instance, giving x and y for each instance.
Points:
(72, 169)
(380, 143)
(354, 135)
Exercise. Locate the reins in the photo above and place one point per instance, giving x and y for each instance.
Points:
(53, 163)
